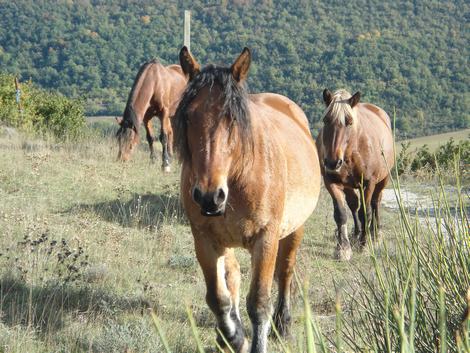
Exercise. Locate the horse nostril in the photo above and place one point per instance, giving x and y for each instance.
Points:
(197, 195)
(220, 197)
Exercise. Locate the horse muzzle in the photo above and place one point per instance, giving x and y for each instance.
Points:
(212, 203)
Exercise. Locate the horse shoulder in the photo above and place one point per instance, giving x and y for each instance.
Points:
(376, 139)
(371, 109)
(283, 105)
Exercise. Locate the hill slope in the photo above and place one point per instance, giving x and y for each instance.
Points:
(408, 55)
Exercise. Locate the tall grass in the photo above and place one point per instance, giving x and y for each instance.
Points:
(417, 296)
(415, 299)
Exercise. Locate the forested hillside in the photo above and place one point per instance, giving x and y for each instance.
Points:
(408, 55)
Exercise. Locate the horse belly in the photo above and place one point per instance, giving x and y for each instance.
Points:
(296, 211)
(302, 193)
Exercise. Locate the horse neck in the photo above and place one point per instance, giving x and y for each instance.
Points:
(142, 95)
(356, 134)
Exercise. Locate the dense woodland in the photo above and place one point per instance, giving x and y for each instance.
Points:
(411, 56)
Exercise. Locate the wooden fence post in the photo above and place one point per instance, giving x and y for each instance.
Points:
(187, 29)
(18, 95)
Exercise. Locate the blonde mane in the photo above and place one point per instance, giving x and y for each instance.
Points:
(339, 108)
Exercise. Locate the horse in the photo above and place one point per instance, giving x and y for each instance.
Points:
(155, 92)
(356, 151)
(250, 178)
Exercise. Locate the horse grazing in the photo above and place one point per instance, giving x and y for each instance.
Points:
(250, 178)
(355, 147)
(155, 92)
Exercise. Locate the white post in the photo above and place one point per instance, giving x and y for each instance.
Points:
(187, 29)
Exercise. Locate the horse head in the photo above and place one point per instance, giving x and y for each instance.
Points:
(339, 127)
(212, 125)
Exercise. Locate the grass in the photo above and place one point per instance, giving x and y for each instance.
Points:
(434, 141)
(89, 245)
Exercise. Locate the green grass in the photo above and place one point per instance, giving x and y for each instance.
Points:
(89, 245)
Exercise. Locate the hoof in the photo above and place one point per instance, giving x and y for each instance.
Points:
(343, 253)
(166, 169)
(245, 348)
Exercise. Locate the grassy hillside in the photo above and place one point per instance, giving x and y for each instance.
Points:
(434, 141)
(407, 55)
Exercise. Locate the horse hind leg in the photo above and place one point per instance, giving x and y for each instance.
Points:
(285, 262)
(375, 205)
(365, 213)
(352, 199)
(165, 136)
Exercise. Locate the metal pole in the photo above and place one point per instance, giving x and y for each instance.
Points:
(187, 29)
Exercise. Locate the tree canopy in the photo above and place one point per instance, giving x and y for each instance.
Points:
(408, 56)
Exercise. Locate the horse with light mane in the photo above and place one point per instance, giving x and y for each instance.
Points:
(356, 151)
(155, 92)
(250, 178)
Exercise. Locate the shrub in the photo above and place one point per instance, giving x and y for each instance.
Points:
(423, 159)
(42, 112)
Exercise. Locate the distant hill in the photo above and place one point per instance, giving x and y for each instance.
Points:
(407, 55)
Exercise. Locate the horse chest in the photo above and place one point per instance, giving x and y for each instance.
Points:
(232, 232)
(350, 175)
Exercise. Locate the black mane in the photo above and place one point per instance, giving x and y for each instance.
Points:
(235, 107)
(129, 118)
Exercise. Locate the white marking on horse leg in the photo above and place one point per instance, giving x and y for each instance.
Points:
(261, 337)
(343, 250)
(225, 320)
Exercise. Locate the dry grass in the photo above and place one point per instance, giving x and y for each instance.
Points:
(88, 245)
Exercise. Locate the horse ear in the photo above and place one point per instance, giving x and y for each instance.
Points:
(354, 99)
(189, 65)
(327, 97)
(241, 66)
(118, 119)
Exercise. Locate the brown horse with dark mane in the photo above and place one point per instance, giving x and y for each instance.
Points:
(355, 147)
(250, 178)
(155, 92)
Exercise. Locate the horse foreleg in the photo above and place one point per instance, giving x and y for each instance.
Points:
(212, 260)
(232, 277)
(164, 134)
(365, 213)
(150, 135)
(343, 248)
(285, 262)
(263, 261)
(353, 203)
